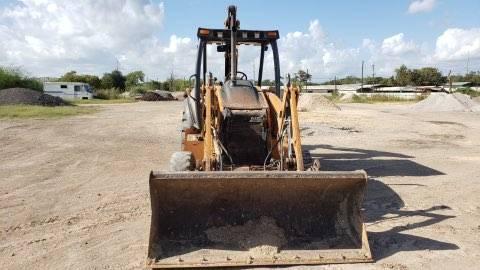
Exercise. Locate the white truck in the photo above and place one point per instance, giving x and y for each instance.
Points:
(68, 90)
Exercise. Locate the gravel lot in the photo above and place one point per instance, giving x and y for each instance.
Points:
(74, 191)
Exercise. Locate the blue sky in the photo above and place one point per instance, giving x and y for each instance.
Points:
(347, 22)
(330, 38)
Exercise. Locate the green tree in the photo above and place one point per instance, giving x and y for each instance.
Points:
(115, 79)
(72, 76)
(303, 76)
(107, 81)
(428, 76)
(473, 77)
(152, 85)
(166, 85)
(403, 76)
(134, 78)
(268, 82)
(13, 77)
(118, 79)
(346, 80)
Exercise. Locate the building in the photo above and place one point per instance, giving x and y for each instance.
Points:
(341, 88)
(457, 85)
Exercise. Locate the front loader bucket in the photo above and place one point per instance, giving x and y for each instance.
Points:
(210, 219)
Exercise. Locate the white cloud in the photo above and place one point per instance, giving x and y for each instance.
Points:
(396, 45)
(50, 37)
(312, 50)
(458, 44)
(421, 6)
(316, 30)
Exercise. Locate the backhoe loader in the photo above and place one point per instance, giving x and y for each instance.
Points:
(241, 192)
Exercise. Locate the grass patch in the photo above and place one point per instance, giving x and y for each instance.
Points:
(30, 111)
(111, 93)
(103, 101)
(382, 98)
(469, 91)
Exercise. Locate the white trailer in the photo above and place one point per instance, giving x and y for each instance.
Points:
(68, 90)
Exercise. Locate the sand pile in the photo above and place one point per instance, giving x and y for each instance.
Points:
(442, 102)
(309, 102)
(15, 96)
(261, 236)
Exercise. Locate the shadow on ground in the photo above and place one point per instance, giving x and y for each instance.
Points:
(382, 203)
(375, 163)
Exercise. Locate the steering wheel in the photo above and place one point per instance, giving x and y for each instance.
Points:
(243, 77)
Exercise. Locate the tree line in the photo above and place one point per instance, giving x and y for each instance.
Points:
(133, 81)
(11, 77)
(412, 77)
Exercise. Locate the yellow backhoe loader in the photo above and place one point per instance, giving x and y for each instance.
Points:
(241, 192)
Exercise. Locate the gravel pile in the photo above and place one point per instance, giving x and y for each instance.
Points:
(15, 96)
(157, 95)
(309, 102)
(443, 102)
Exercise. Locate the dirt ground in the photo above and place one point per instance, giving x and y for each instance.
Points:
(74, 191)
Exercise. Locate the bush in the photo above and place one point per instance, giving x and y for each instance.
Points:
(14, 78)
(112, 93)
(138, 90)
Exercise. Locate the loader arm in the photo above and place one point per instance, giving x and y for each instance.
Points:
(289, 109)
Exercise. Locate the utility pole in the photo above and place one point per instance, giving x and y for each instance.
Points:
(171, 81)
(335, 83)
(468, 62)
(308, 78)
(373, 73)
(361, 88)
(450, 81)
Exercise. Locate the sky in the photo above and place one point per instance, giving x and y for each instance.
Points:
(329, 38)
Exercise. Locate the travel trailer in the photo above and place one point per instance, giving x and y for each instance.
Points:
(68, 90)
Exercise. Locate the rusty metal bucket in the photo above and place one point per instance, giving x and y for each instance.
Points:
(219, 219)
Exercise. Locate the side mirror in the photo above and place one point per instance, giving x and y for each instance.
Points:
(221, 48)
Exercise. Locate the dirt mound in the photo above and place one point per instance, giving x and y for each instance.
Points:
(157, 95)
(14, 96)
(476, 99)
(315, 102)
(443, 102)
